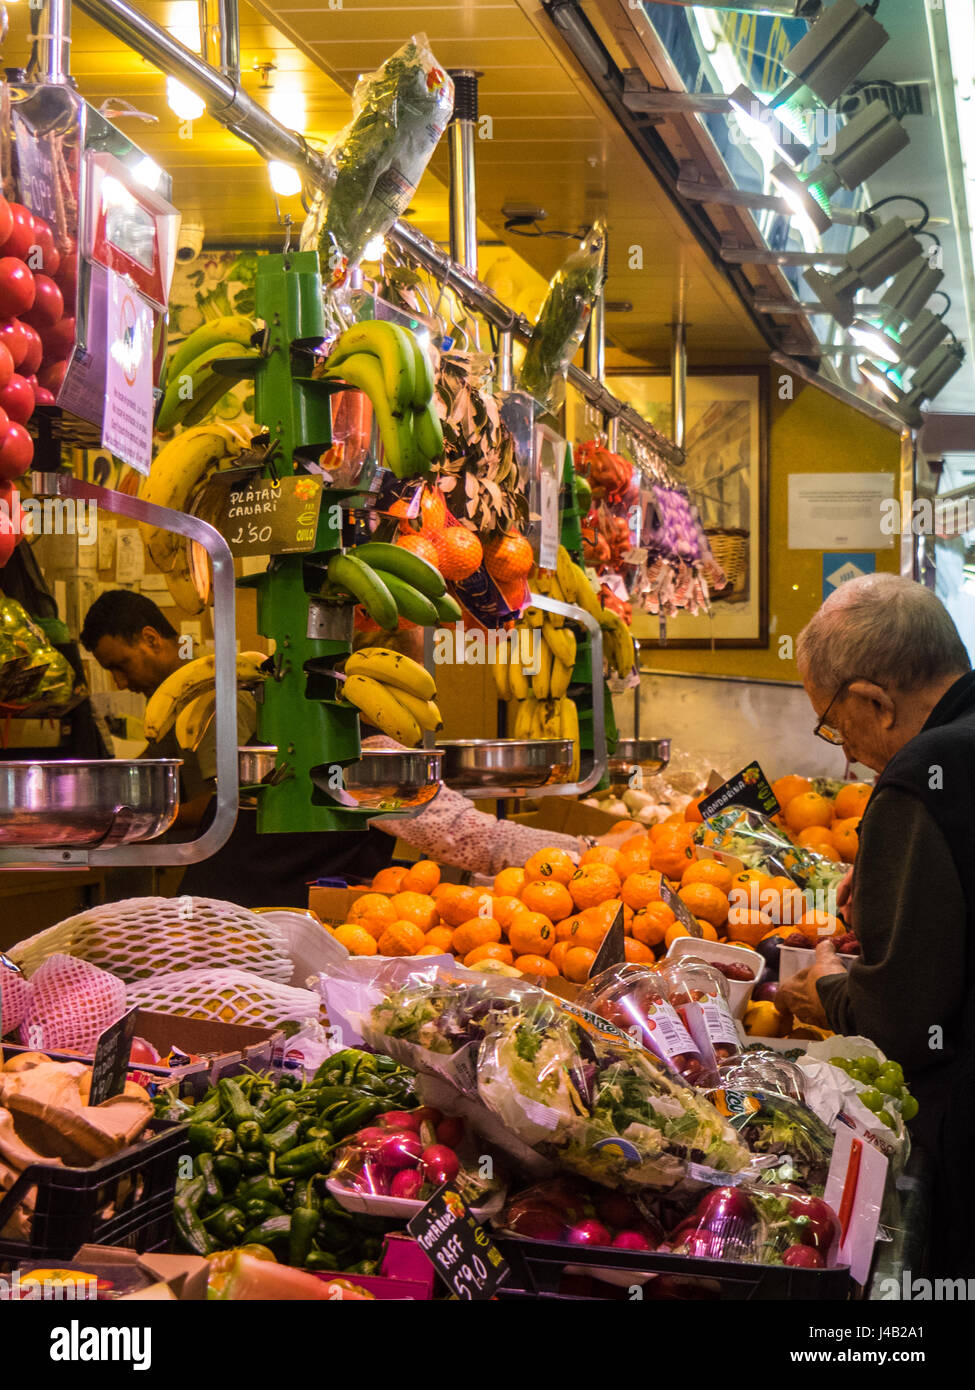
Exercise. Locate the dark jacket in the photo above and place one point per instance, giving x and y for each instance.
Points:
(913, 990)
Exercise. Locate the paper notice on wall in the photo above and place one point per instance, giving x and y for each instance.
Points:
(129, 556)
(127, 426)
(841, 511)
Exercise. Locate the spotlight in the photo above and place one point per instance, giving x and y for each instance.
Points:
(863, 145)
(838, 45)
(873, 340)
(909, 291)
(285, 179)
(921, 339)
(874, 260)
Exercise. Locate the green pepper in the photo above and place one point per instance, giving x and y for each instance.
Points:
(328, 1095)
(277, 1114)
(250, 1135)
(362, 1267)
(228, 1170)
(253, 1163)
(323, 1261)
(255, 1211)
(203, 1164)
(278, 1141)
(304, 1224)
(263, 1189)
(355, 1115)
(388, 1064)
(307, 1158)
(306, 1193)
(273, 1229)
(319, 1131)
(235, 1102)
(227, 1224)
(189, 1227)
(209, 1108)
(202, 1136)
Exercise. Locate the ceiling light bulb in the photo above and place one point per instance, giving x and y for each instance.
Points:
(285, 180)
(764, 128)
(879, 379)
(287, 105)
(182, 102)
(374, 249)
(872, 338)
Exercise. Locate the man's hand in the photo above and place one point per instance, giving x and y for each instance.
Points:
(844, 888)
(800, 994)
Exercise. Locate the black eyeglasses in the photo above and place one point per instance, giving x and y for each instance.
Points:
(827, 731)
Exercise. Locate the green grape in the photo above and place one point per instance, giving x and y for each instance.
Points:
(893, 1069)
(870, 1065)
(872, 1099)
(887, 1085)
(886, 1119)
(909, 1107)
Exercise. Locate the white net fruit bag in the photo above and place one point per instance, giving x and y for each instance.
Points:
(71, 1003)
(139, 937)
(226, 996)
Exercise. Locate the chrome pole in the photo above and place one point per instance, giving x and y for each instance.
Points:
(463, 184)
(52, 41)
(506, 374)
(678, 382)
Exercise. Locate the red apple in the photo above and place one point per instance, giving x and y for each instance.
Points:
(17, 288)
(48, 306)
(21, 238)
(17, 399)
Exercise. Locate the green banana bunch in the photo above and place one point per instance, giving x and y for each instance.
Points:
(391, 367)
(192, 386)
(392, 583)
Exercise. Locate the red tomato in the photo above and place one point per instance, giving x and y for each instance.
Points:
(4, 420)
(17, 399)
(52, 376)
(42, 396)
(48, 306)
(16, 452)
(59, 339)
(16, 287)
(35, 352)
(22, 238)
(13, 334)
(67, 278)
(50, 256)
(6, 364)
(6, 220)
(11, 522)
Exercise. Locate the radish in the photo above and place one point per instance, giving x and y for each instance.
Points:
(440, 1163)
(400, 1150)
(450, 1131)
(803, 1257)
(631, 1240)
(408, 1182)
(399, 1119)
(589, 1232)
(370, 1136)
(427, 1115)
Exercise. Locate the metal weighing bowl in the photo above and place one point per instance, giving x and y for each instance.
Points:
(505, 762)
(77, 804)
(255, 764)
(650, 755)
(391, 779)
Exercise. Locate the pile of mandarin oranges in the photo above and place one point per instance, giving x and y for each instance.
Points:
(549, 917)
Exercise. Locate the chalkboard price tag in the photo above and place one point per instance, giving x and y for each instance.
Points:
(749, 788)
(272, 518)
(112, 1059)
(37, 176)
(680, 909)
(460, 1250)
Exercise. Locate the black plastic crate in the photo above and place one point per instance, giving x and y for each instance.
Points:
(135, 1187)
(551, 1270)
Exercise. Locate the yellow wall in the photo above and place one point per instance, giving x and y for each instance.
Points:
(813, 433)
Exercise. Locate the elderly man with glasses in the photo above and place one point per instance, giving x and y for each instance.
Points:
(891, 682)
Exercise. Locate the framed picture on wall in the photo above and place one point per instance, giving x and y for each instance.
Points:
(726, 472)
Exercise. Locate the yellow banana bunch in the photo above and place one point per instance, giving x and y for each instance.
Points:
(392, 692)
(618, 641)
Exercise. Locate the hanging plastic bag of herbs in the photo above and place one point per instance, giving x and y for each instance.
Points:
(401, 111)
(563, 318)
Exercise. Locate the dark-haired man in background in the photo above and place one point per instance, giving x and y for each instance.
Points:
(131, 638)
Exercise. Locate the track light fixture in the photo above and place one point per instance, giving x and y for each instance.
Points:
(930, 378)
(869, 264)
(826, 60)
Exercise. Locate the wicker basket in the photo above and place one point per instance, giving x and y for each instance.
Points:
(730, 547)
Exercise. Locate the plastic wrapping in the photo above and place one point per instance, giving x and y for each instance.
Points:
(401, 111)
(759, 1226)
(635, 998)
(563, 1209)
(562, 320)
(699, 993)
(32, 671)
(596, 1104)
(755, 840)
(789, 1141)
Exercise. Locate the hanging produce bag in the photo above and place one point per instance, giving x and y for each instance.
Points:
(563, 319)
(401, 111)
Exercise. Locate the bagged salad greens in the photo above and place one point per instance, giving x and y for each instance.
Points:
(401, 111)
(759, 844)
(563, 318)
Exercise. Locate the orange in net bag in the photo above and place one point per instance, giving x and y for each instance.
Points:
(72, 1003)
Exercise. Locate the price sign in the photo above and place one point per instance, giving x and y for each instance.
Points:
(613, 950)
(749, 788)
(112, 1059)
(460, 1250)
(680, 909)
(272, 518)
(37, 176)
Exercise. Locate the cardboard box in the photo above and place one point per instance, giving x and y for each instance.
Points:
(567, 817)
(331, 905)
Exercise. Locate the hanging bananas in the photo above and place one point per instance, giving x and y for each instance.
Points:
(193, 387)
(392, 583)
(392, 368)
(189, 681)
(392, 692)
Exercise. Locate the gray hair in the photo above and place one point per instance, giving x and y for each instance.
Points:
(884, 629)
